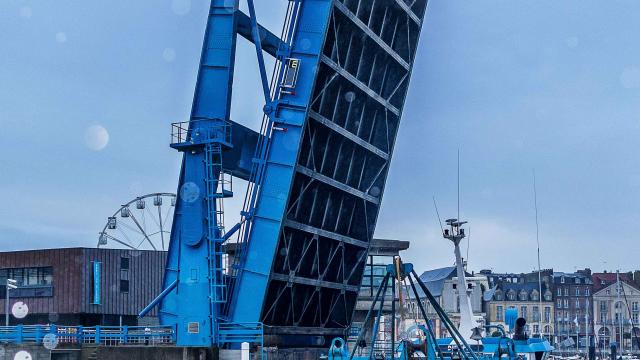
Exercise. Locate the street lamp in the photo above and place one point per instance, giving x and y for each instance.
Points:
(11, 285)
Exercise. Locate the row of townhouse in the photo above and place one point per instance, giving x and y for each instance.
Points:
(570, 309)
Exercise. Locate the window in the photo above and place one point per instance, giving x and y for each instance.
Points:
(498, 295)
(577, 291)
(32, 282)
(523, 312)
(536, 313)
(536, 329)
(603, 317)
(566, 303)
(635, 318)
(566, 291)
(608, 291)
(124, 275)
(547, 295)
(577, 304)
(587, 292)
(559, 303)
(559, 291)
(31, 276)
(577, 280)
(562, 280)
(124, 286)
(511, 295)
(603, 306)
(124, 263)
(455, 286)
(547, 314)
(634, 306)
(499, 311)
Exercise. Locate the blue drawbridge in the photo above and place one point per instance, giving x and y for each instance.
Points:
(288, 268)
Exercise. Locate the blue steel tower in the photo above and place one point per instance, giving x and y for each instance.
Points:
(316, 172)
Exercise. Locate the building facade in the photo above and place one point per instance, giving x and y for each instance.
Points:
(443, 285)
(616, 309)
(573, 294)
(521, 292)
(381, 253)
(82, 286)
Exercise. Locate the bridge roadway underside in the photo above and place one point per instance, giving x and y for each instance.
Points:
(348, 138)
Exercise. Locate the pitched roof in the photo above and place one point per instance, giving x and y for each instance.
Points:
(602, 280)
(434, 280)
(613, 288)
(578, 275)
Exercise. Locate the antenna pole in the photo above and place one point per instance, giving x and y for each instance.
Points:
(458, 183)
(535, 204)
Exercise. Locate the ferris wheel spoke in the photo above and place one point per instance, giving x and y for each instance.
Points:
(144, 220)
(166, 215)
(160, 224)
(143, 232)
(151, 216)
(132, 229)
(120, 241)
(124, 234)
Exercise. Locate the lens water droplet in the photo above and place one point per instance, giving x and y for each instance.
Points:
(20, 310)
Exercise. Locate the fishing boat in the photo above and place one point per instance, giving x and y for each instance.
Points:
(490, 341)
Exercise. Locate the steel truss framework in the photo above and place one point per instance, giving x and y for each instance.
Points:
(360, 87)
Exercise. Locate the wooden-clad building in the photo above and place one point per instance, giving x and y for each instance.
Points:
(82, 286)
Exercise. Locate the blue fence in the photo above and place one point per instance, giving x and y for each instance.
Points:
(99, 335)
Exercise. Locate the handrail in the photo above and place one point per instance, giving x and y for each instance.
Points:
(199, 131)
(100, 335)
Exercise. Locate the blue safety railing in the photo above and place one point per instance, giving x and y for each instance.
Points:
(237, 333)
(97, 335)
(241, 332)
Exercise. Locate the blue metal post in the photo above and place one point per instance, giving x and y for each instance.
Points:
(19, 334)
(158, 299)
(256, 40)
(192, 307)
(38, 334)
(280, 164)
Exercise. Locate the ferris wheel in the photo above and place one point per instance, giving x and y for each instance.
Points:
(143, 223)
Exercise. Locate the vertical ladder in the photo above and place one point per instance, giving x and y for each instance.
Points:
(218, 186)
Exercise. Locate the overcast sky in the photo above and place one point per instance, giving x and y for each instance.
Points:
(514, 85)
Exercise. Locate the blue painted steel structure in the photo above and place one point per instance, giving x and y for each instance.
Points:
(316, 177)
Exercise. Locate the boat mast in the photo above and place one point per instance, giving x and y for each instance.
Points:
(535, 204)
(456, 233)
(618, 308)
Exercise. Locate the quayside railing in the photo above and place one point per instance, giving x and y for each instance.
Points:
(96, 335)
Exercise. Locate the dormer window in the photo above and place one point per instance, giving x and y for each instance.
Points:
(534, 295)
(523, 295)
